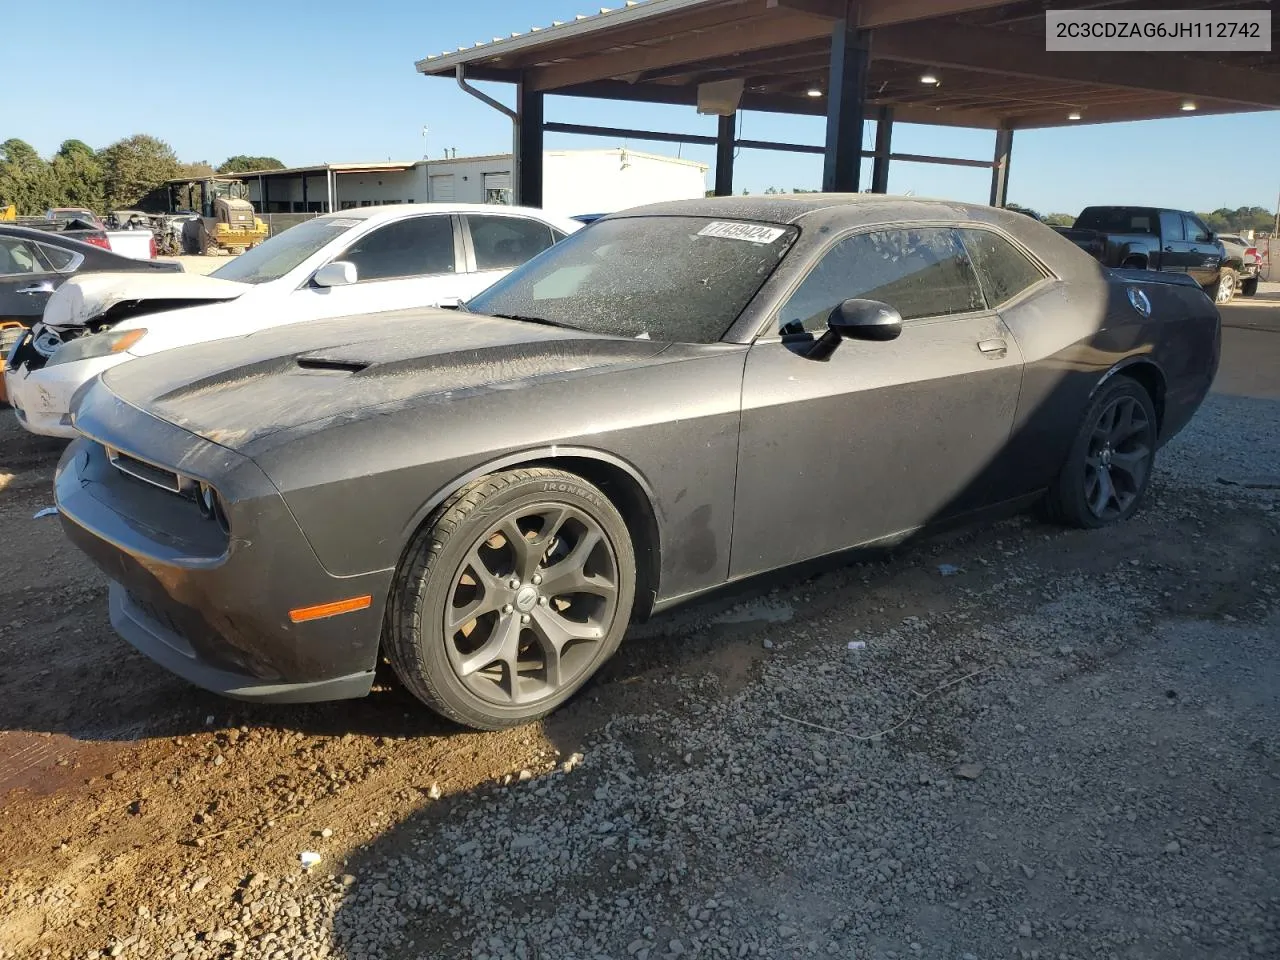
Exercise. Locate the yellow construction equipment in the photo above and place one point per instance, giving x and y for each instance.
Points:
(9, 213)
(226, 221)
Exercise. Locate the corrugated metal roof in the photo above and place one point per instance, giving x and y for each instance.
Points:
(582, 24)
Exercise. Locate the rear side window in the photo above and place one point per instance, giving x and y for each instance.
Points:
(1005, 271)
(414, 247)
(924, 272)
(501, 243)
(1171, 226)
(58, 258)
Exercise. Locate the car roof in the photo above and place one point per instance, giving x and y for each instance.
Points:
(850, 208)
(392, 210)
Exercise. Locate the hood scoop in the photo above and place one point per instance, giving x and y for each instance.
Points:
(332, 365)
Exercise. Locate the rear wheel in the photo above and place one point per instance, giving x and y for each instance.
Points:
(1110, 463)
(511, 597)
(1225, 291)
(1249, 287)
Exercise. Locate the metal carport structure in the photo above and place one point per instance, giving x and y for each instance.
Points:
(851, 61)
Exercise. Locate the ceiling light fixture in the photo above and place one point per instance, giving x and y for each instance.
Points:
(1073, 115)
(814, 92)
(1188, 105)
(930, 79)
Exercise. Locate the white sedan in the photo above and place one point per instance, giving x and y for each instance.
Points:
(356, 261)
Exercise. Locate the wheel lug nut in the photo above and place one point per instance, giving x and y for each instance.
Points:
(524, 618)
(507, 608)
(537, 579)
(514, 583)
(542, 601)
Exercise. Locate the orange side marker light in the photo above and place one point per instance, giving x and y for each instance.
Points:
(322, 610)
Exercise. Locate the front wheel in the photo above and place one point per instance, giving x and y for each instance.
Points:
(1110, 463)
(515, 592)
(1225, 291)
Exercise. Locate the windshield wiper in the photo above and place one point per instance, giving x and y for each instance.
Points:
(523, 319)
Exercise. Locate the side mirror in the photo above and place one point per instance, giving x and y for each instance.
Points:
(857, 320)
(338, 273)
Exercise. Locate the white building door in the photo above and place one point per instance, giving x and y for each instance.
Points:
(441, 185)
(497, 188)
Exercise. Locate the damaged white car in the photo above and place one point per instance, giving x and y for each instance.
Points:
(357, 261)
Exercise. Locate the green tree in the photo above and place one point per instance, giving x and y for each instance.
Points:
(1059, 219)
(1027, 211)
(77, 176)
(1224, 220)
(241, 163)
(197, 170)
(25, 178)
(135, 166)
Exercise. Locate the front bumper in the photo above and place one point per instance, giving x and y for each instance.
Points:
(212, 608)
(41, 399)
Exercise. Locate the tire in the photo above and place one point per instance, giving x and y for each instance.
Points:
(499, 668)
(1249, 287)
(1075, 495)
(1224, 290)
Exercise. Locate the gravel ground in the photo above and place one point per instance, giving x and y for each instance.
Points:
(1012, 742)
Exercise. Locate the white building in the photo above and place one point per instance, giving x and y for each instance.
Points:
(574, 182)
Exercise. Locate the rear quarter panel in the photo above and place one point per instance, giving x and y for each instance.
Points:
(1084, 330)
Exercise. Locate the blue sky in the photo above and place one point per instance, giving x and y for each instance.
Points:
(327, 81)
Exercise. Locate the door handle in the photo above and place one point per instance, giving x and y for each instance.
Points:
(44, 286)
(995, 348)
(1168, 249)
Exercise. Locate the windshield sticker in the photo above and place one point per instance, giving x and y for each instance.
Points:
(344, 222)
(751, 232)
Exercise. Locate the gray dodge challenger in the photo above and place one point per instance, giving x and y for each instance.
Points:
(683, 396)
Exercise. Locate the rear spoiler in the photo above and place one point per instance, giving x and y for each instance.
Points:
(1153, 276)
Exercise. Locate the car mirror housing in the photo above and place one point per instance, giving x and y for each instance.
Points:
(857, 319)
(339, 273)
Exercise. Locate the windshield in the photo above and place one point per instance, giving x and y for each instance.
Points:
(674, 279)
(273, 258)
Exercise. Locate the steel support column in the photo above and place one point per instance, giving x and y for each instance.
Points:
(1000, 168)
(884, 147)
(725, 136)
(529, 136)
(846, 98)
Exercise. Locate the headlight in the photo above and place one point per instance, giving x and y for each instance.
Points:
(96, 345)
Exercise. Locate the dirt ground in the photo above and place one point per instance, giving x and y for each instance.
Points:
(135, 809)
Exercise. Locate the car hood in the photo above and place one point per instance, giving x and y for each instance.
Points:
(240, 391)
(103, 299)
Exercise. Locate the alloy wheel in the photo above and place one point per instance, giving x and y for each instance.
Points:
(1118, 458)
(1226, 289)
(531, 604)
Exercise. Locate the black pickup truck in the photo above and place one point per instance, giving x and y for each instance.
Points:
(1153, 238)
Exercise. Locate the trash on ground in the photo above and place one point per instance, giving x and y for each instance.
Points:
(857, 644)
(46, 512)
(948, 569)
(309, 859)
